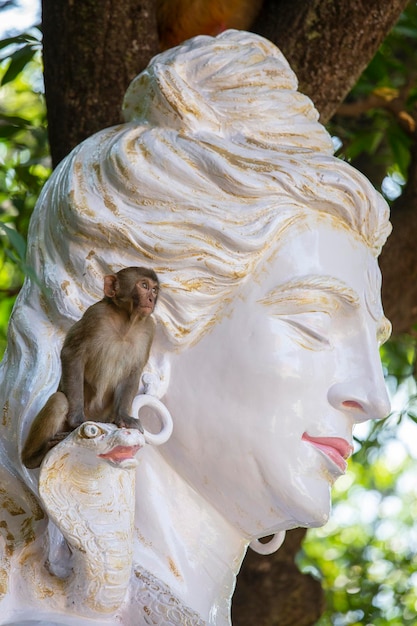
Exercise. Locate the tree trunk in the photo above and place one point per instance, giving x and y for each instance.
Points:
(92, 50)
(328, 43)
(399, 258)
(271, 591)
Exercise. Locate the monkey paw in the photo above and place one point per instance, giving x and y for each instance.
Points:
(126, 421)
(75, 419)
(57, 438)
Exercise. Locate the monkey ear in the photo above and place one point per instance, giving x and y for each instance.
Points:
(110, 285)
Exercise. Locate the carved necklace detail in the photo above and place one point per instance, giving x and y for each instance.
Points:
(160, 606)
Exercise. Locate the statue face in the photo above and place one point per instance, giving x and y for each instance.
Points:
(265, 404)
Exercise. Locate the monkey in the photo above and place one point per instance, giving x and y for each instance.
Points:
(179, 20)
(102, 359)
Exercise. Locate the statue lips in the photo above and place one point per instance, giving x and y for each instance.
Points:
(336, 448)
(118, 454)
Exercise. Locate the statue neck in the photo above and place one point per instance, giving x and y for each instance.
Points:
(184, 542)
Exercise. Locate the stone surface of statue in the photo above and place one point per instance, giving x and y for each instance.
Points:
(266, 351)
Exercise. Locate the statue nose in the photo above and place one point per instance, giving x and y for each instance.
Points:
(363, 398)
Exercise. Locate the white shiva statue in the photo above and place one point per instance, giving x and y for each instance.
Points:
(269, 321)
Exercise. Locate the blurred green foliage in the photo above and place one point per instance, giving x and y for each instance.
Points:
(366, 556)
(378, 141)
(24, 158)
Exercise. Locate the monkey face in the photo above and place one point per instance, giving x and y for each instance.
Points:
(145, 295)
(266, 403)
(134, 289)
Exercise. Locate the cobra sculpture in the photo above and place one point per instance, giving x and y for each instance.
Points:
(87, 489)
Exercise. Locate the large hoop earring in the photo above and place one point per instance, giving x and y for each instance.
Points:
(271, 546)
(155, 439)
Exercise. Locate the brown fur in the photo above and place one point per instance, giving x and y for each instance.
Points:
(102, 360)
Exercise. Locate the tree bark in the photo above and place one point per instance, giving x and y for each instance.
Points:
(328, 43)
(92, 50)
(399, 258)
(271, 591)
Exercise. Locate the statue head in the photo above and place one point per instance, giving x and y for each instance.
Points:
(223, 181)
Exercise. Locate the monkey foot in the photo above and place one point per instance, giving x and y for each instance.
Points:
(129, 422)
(57, 438)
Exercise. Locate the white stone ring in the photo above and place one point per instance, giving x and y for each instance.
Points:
(155, 439)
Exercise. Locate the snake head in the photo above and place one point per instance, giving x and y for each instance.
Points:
(117, 446)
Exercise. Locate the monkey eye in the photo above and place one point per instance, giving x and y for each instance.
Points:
(89, 430)
(145, 285)
(155, 291)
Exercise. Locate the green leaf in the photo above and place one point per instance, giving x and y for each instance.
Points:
(10, 41)
(400, 145)
(19, 60)
(14, 119)
(12, 124)
(406, 31)
(6, 132)
(367, 141)
(16, 240)
(20, 40)
(376, 71)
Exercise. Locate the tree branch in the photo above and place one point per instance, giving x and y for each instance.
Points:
(388, 99)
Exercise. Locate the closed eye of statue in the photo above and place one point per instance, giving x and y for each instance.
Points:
(312, 329)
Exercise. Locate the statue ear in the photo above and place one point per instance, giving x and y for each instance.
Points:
(111, 285)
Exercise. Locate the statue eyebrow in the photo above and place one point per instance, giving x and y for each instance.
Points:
(322, 293)
(309, 294)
